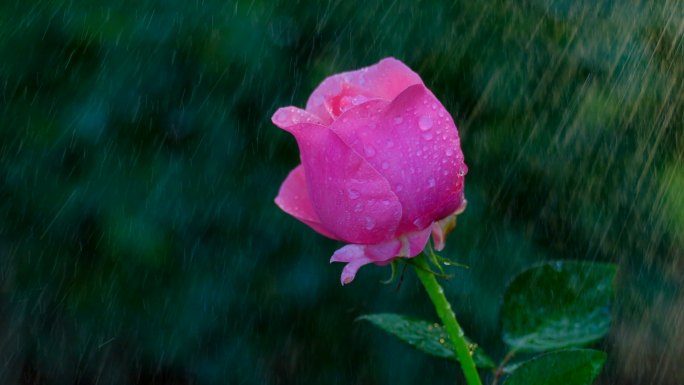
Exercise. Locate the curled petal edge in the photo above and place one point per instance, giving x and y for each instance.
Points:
(442, 228)
(356, 256)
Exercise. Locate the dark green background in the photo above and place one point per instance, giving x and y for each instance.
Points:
(138, 164)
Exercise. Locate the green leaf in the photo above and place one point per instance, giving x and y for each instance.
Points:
(557, 305)
(567, 367)
(425, 336)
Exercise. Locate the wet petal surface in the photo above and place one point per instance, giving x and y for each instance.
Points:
(293, 198)
(338, 93)
(353, 201)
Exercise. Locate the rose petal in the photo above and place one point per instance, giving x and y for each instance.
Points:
(413, 143)
(442, 228)
(337, 93)
(352, 200)
(293, 198)
(288, 116)
(357, 256)
(416, 242)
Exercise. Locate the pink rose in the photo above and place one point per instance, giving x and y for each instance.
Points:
(382, 166)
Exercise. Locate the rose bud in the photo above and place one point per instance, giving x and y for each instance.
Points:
(381, 165)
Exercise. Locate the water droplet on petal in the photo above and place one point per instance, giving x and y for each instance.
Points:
(345, 103)
(399, 188)
(427, 136)
(369, 151)
(449, 152)
(431, 182)
(433, 106)
(280, 117)
(370, 223)
(353, 194)
(425, 122)
(385, 165)
(398, 119)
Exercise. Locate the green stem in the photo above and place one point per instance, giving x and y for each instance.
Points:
(446, 314)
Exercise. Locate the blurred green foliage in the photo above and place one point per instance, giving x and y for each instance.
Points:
(138, 237)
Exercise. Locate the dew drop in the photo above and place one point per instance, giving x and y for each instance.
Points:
(358, 208)
(433, 106)
(425, 122)
(369, 151)
(280, 117)
(345, 103)
(449, 152)
(390, 144)
(427, 136)
(370, 223)
(398, 119)
(353, 194)
(399, 188)
(385, 165)
(431, 182)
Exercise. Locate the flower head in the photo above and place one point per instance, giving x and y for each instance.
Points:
(381, 165)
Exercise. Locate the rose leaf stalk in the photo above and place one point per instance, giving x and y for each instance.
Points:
(446, 314)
